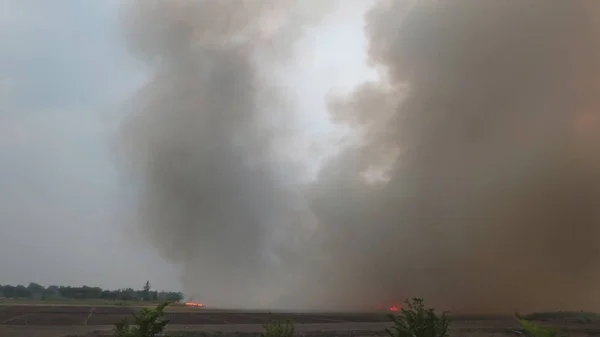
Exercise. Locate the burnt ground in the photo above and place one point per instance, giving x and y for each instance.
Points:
(55, 321)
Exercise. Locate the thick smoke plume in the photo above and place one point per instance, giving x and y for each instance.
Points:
(474, 184)
(204, 137)
(484, 135)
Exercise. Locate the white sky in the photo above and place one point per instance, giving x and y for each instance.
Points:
(63, 74)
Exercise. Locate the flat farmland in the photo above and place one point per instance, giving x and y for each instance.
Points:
(97, 321)
(39, 315)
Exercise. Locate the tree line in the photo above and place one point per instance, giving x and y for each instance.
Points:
(38, 292)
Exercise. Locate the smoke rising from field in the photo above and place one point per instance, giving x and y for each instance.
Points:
(489, 190)
(473, 185)
(204, 134)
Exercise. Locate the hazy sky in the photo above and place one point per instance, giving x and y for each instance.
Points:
(64, 74)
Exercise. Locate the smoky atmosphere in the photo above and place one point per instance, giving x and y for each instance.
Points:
(305, 155)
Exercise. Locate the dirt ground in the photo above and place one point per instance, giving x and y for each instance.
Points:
(104, 315)
(60, 321)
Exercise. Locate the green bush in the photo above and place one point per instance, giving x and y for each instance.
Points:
(533, 330)
(147, 323)
(278, 329)
(417, 321)
(567, 316)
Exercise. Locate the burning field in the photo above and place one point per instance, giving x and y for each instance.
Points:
(470, 173)
(191, 304)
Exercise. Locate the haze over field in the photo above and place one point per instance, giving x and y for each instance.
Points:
(466, 172)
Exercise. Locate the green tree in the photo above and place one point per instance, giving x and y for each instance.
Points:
(417, 321)
(35, 290)
(147, 291)
(148, 323)
(278, 329)
(533, 330)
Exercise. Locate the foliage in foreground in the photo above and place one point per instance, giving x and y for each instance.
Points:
(413, 321)
(150, 323)
(417, 321)
(570, 316)
(533, 330)
(147, 323)
(278, 329)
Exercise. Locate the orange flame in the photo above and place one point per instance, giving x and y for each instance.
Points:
(194, 304)
(394, 308)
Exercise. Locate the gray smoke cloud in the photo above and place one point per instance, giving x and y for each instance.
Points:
(204, 137)
(474, 183)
